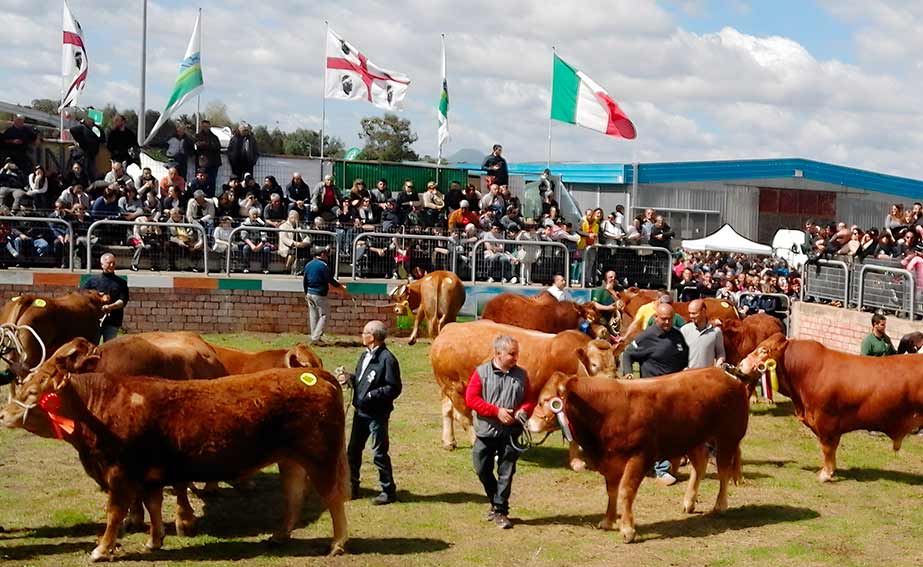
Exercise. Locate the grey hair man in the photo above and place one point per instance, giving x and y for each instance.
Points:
(117, 289)
(498, 395)
(377, 383)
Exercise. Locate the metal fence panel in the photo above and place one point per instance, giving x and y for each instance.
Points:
(887, 288)
(826, 279)
(385, 254)
(37, 242)
(529, 261)
(257, 248)
(647, 267)
(155, 245)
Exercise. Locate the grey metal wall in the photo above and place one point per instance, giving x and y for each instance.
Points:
(738, 204)
(867, 210)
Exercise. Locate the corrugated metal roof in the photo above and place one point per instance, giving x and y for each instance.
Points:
(731, 170)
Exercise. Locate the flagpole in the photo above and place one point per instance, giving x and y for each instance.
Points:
(323, 108)
(550, 122)
(438, 140)
(198, 98)
(141, 117)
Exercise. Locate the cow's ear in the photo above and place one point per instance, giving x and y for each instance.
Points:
(87, 362)
(583, 362)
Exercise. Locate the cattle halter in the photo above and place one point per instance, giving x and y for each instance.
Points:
(528, 442)
(556, 405)
(9, 340)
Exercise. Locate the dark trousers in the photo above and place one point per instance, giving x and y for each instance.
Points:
(497, 488)
(108, 332)
(377, 428)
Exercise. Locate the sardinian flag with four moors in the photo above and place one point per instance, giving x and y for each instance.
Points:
(350, 76)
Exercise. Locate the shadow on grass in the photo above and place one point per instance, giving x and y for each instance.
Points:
(20, 553)
(445, 497)
(873, 475)
(547, 456)
(314, 547)
(696, 525)
(767, 462)
(86, 529)
(779, 409)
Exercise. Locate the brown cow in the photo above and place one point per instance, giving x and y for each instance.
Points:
(461, 347)
(541, 313)
(55, 319)
(139, 434)
(742, 336)
(238, 361)
(437, 297)
(624, 427)
(834, 392)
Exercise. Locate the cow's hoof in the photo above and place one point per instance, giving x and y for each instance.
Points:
(133, 524)
(719, 509)
(185, 528)
(277, 539)
(604, 525)
(412, 341)
(336, 549)
(449, 446)
(628, 534)
(577, 465)
(824, 476)
(688, 507)
(152, 545)
(103, 554)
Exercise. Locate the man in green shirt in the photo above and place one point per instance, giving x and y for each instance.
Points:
(604, 299)
(877, 343)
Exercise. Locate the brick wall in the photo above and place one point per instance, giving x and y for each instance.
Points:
(231, 310)
(842, 329)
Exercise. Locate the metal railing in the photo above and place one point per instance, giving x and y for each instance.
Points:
(327, 238)
(631, 263)
(509, 258)
(164, 237)
(882, 292)
(388, 253)
(54, 248)
(826, 279)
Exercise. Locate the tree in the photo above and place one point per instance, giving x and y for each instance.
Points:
(268, 142)
(387, 138)
(304, 142)
(217, 113)
(46, 105)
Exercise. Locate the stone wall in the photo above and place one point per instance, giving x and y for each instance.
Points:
(842, 329)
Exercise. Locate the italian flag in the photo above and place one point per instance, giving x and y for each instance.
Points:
(578, 99)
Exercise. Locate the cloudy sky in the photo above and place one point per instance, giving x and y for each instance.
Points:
(832, 80)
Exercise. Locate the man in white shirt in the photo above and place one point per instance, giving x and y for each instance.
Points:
(558, 289)
(706, 343)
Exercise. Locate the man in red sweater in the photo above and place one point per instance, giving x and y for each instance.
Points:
(498, 394)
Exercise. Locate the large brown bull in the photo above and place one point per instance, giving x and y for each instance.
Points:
(136, 435)
(437, 297)
(541, 313)
(55, 320)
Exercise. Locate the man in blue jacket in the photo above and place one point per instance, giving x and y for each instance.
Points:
(377, 383)
(317, 283)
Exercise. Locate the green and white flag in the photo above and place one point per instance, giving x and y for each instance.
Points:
(188, 83)
(578, 99)
(443, 106)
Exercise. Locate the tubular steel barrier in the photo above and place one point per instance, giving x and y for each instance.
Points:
(784, 303)
(269, 253)
(381, 254)
(171, 238)
(513, 263)
(882, 292)
(41, 243)
(826, 279)
(637, 264)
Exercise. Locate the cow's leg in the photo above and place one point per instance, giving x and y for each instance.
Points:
(294, 484)
(613, 479)
(448, 425)
(120, 498)
(134, 522)
(829, 446)
(698, 458)
(185, 516)
(153, 499)
(628, 489)
(728, 461)
(210, 487)
(331, 483)
(416, 326)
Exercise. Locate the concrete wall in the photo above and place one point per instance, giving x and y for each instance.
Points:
(842, 329)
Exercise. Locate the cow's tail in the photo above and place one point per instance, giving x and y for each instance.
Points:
(736, 465)
(341, 487)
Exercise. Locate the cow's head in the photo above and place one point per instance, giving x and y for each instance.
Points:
(772, 348)
(301, 356)
(40, 390)
(597, 358)
(401, 298)
(550, 404)
(589, 312)
(96, 298)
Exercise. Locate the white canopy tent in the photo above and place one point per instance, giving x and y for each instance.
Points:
(726, 239)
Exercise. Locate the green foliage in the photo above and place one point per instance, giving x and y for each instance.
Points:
(304, 142)
(217, 113)
(387, 138)
(46, 105)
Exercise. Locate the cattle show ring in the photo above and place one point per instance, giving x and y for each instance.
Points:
(196, 440)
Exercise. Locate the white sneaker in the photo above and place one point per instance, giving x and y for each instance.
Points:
(503, 280)
(666, 479)
(490, 280)
(513, 280)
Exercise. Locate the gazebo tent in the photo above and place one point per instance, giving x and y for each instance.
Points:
(726, 239)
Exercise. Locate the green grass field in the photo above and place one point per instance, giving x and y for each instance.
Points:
(780, 515)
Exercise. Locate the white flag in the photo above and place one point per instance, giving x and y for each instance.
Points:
(350, 76)
(74, 62)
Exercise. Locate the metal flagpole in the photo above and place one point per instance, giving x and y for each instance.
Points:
(438, 140)
(323, 111)
(141, 125)
(551, 99)
(198, 98)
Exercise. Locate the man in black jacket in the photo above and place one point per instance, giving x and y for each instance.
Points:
(89, 139)
(208, 155)
(122, 142)
(495, 166)
(377, 383)
(242, 151)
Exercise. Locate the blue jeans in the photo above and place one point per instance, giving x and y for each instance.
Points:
(661, 468)
(108, 332)
(377, 428)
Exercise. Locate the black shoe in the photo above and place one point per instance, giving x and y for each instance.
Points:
(134, 268)
(354, 492)
(502, 521)
(491, 515)
(384, 498)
